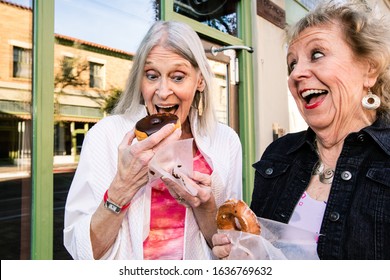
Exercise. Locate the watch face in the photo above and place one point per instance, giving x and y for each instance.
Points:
(113, 207)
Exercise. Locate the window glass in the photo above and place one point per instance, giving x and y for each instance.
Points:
(93, 38)
(119, 24)
(22, 63)
(67, 66)
(220, 90)
(15, 130)
(96, 75)
(95, 41)
(310, 4)
(221, 15)
(103, 33)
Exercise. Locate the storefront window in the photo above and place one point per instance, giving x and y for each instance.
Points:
(95, 41)
(94, 44)
(15, 130)
(309, 4)
(221, 15)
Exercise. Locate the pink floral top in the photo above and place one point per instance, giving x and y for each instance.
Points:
(167, 219)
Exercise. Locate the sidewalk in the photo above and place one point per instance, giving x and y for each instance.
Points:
(16, 172)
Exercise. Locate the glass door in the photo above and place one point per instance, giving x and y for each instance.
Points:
(224, 63)
(219, 65)
(227, 57)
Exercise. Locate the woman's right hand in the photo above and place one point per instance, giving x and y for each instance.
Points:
(133, 160)
(221, 245)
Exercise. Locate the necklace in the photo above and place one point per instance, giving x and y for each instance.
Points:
(325, 174)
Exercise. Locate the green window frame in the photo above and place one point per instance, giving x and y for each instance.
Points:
(43, 130)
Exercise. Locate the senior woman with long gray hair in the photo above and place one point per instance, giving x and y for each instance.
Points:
(109, 213)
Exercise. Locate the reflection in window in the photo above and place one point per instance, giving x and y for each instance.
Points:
(70, 72)
(96, 75)
(310, 4)
(119, 24)
(22, 63)
(221, 15)
(15, 130)
(67, 67)
(220, 92)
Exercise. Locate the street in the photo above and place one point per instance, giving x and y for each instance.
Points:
(15, 199)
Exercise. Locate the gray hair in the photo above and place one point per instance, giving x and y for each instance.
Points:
(182, 40)
(366, 31)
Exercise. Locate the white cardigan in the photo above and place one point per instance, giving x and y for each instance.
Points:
(97, 168)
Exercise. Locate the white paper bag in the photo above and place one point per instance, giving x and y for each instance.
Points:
(278, 241)
(174, 158)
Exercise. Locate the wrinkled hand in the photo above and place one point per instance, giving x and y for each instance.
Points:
(200, 181)
(133, 160)
(203, 203)
(221, 245)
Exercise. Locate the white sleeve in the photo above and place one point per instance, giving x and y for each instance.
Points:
(79, 207)
(235, 172)
(93, 176)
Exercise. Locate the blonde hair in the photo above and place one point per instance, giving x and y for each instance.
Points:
(366, 31)
(182, 40)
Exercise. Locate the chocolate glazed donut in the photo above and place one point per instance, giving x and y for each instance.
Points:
(151, 124)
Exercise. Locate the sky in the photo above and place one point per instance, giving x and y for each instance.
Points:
(120, 24)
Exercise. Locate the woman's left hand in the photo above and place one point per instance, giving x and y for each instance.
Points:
(199, 181)
(203, 203)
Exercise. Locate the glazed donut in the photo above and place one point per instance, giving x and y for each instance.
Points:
(152, 123)
(233, 211)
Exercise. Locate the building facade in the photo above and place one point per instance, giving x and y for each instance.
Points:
(85, 76)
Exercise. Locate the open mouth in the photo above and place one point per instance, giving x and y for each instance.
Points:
(166, 109)
(313, 96)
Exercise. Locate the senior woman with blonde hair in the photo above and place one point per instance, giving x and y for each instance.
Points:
(112, 210)
(334, 178)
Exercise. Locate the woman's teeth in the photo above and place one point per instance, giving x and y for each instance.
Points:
(166, 109)
(309, 94)
(312, 91)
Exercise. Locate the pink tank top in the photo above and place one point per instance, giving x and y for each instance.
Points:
(167, 219)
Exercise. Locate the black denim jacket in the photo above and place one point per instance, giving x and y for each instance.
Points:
(356, 223)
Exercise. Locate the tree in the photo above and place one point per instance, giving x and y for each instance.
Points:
(111, 100)
(70, 74)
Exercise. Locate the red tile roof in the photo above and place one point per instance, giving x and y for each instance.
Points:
(64, 37)
(15, 5)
